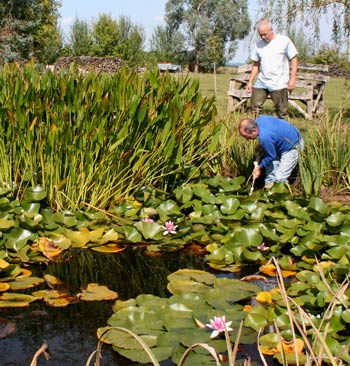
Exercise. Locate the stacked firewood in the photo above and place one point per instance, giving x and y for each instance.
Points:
(86, 63)
(339, 71)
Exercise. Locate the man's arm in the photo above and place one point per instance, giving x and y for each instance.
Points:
(293, 73)
(253, 74)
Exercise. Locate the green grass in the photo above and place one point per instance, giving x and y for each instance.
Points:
(336, 92)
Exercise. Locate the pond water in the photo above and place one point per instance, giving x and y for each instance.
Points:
(70, 332)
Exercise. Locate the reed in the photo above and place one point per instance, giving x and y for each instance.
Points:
(97, 138)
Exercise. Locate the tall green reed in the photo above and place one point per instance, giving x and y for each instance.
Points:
(98, 138)
(326, 158)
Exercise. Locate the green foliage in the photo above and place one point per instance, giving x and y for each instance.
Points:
(80, 38)
(201, 22)
(169, 325)
(327, 55)
(107, 37)
(304, 45)
(325, 160)
(168, 46)
(95, 139)
(28, 29)
(309, 13)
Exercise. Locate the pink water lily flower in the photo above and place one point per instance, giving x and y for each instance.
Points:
(169, 228)
(218, 325)
(263, 248)
(148, 220)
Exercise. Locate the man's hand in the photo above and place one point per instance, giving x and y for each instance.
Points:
(291, 85)
(249, 87)
(256, 172)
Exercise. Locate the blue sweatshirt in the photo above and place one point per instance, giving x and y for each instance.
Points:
(276, 136)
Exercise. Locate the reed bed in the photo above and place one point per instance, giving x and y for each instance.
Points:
(97, 138)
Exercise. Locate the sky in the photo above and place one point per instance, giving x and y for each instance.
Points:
(149, 14)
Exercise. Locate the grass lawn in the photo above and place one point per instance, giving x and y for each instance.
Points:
(336, 93)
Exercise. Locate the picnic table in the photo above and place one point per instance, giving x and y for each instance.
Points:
(307, 97)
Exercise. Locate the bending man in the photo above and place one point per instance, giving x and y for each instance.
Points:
(281, 143)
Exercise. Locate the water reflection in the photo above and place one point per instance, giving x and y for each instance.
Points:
(71, 332)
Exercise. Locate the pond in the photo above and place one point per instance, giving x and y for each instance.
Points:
(70, 332)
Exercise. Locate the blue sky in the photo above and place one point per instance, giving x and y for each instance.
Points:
(149, 14)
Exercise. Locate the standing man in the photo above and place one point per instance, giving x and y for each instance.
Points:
(271, 56)
(281, 143)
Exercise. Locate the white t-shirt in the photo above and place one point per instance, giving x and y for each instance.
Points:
(274, 59)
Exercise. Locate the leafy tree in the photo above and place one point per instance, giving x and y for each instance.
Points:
(309, 13)
(28, 29)
(130, 41)
(202, 21)
(168, 46)
(113, 38)
(80, 38)
(105, 35)
(303, 44)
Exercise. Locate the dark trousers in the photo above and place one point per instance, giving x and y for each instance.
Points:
(279, 99)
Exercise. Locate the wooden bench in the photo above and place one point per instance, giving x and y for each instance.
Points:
(307, 97)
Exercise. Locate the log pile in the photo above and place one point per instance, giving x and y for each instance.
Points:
(86, 63)
(338, 71)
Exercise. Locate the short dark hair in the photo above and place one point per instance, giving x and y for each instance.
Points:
(250, 125)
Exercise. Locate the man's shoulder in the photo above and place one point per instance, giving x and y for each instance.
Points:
(283, 38)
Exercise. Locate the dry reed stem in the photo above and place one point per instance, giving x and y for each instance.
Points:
(41, 350)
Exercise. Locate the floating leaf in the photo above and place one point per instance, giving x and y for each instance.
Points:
(52, 281)
(48, 247)
(255, 321)
(335, 219)
(271, 270)
(15, 300)
(55, 298)
(25, 282)
(229, 205)
(36, 194)
(4, 286)
(264, 297)
(24, 273)
(96, 292)
(159, 353)
(318, 205)
(3, 264)
(150, 230)
(192, 274)
(6, 224)
(290, 346)
(109, 248)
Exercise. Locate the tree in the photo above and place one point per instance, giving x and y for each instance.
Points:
(113, 38)
(130, 42)
(167, 45)
(309, 13)
(80, 38)
(105, 36)
(29, 29)
(202, 21)
(303, 44)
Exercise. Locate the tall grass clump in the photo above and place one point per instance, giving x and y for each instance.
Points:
(326, 158)
(97, 138)
(236, 154)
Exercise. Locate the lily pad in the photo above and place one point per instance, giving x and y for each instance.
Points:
(11, 300)
(96, 292)
(25, 282)
(35, 194)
